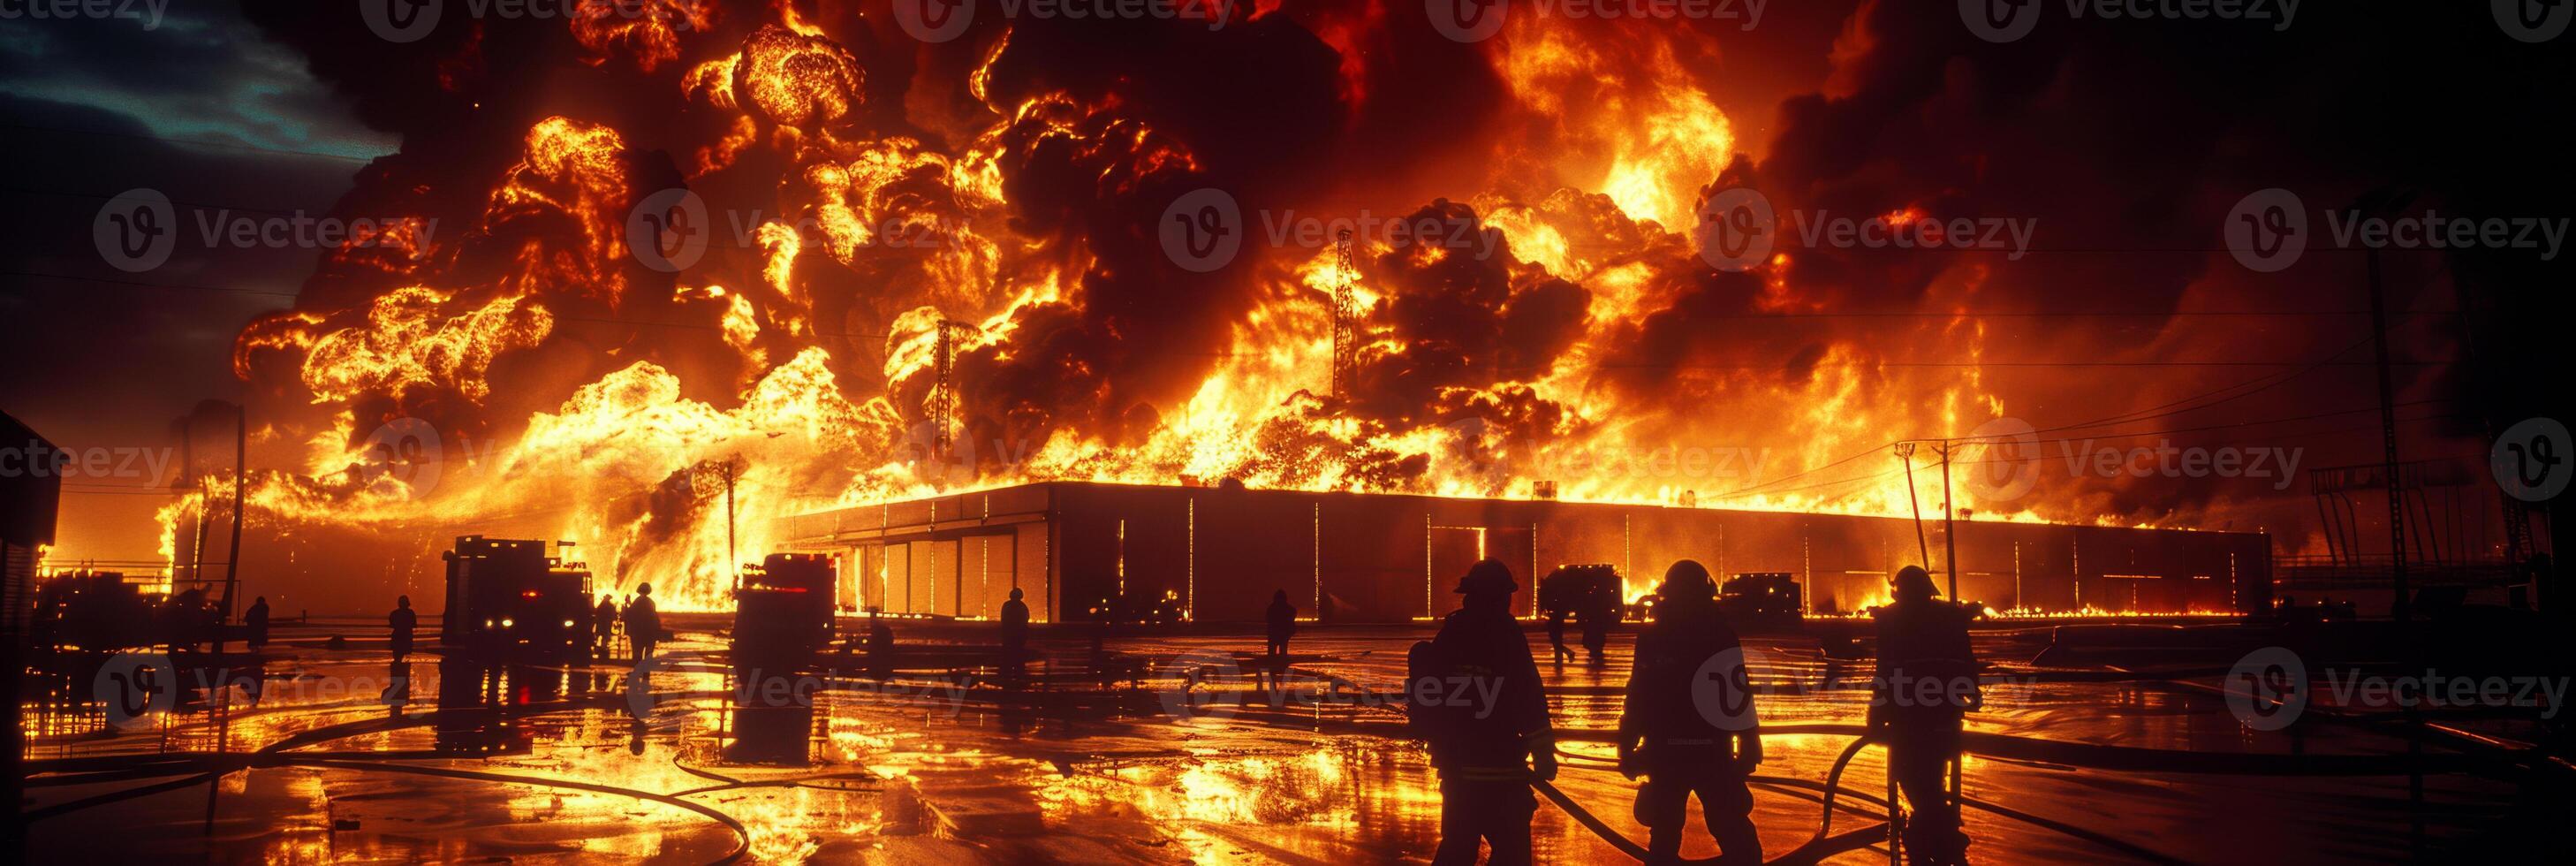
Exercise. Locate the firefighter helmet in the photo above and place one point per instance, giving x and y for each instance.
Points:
(1488, 576)
(1687, 579)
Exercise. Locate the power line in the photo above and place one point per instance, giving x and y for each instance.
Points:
(2152, 412)
(2308, 434)
(2125, 417)
(2372, 427)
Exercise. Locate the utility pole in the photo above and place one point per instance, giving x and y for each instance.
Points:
(1949, 526)
(1922, 548)
(241, 471)
(232, 579)
(731, 555)
(188, 467)
(733, 560)
(2402, 608)
(1950, 541)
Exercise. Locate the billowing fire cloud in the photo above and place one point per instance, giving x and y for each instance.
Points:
(862, 209)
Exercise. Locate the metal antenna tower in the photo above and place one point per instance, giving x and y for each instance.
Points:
(943, 387)
(1346, 317)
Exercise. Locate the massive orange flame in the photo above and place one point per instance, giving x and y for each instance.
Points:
(823, 414)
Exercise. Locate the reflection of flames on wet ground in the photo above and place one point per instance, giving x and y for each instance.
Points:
(891, 780)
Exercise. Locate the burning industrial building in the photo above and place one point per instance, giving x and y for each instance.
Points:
(707, 267)
(2077, 415)
(1081, 550)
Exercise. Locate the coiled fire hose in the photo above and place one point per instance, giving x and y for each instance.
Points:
(198, 769)
(1825, 843)
(1818, 847)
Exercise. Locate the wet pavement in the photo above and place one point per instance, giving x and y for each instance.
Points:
(930, 770)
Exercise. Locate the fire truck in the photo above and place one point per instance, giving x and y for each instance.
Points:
(1762, 599)
(1574, 589)
(515, 597)
(783, 609)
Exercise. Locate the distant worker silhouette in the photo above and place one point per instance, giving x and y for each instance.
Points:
(1557, 650)
(1600, 609)
(255, 620)
(643, 622)
(880, 645)
(1474, 693)
(1099, 654)
(1015, 638)
(603, 626)
(1926, 680)
(1282, 618)
(1688, 723)
(403, 620)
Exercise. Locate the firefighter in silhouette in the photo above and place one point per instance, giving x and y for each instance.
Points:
(1688, 722)
(1600, 609)
(1474, 693)
(1282, 618)
(1926, 680)
(1015, 638)
(1557, 650)
(603, 626)
(255, 620)
(643, 622)
(402, 620)
(880, 645)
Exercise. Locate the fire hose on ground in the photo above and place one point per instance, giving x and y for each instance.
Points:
(1825, 843)
(199, 769)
